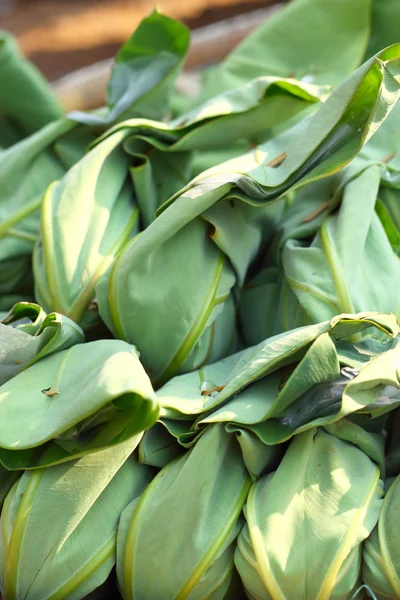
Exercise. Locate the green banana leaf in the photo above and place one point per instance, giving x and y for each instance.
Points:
(267, 303)
(59, 525)
(25, 316)
(147, 63)
(144, 72)
(381, 564)
(27, 102)
(24, 342)
(211, 249)
(387, 208)
(304, 40)
(65, 274)
(314, 394)
(209, 484)
(259, 372)
(26, 170)
(76, 401)
(227, 123)
(342, 272)
(316, 147)
(299, 384)
(86, 219)
(306, 522)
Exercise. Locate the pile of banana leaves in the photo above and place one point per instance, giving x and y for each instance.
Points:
(199, 303)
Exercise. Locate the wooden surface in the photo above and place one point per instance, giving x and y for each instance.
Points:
(61, 36)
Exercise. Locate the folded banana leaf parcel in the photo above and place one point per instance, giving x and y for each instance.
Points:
(114, 191)
(212, 230)
(246, 508)
(314, 376)
(75, 401)
(33, 162)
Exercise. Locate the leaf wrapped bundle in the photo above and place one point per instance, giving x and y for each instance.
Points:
(26, 170)
(201, 230)
(291, 383)
(306, 522)
(74, 402)
(342, 272)
(209, 484)
(59, 525)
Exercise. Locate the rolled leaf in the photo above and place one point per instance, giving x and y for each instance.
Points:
(290, 384)
(86, 219)
(27, 102)
(26, 170)
(210, 485)
(321, 503)
(24, 341)
(381, 566)
(80, 400)
(342, 272)
(211, 212)
(59, 525)
(144, 72)
(229, 123)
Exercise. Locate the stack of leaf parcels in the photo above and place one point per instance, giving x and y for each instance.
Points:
(199, 345)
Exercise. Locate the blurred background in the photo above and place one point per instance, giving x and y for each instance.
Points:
(62, 36)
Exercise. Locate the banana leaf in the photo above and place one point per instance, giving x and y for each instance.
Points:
(86, 219)
(162, 153)
(305, 39)
(267, 303)
(27, 335)
(27, 102)
(65, 274)
(209, 484)
(144, 72)
(59, 525)
(207, 242)
(311, 351)
(76, 401)
(303, 379)
(306, 522)
(387, 208)
(312, 394)
(342, 272)
(381, 564)
(26, 170)
(25, 316)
